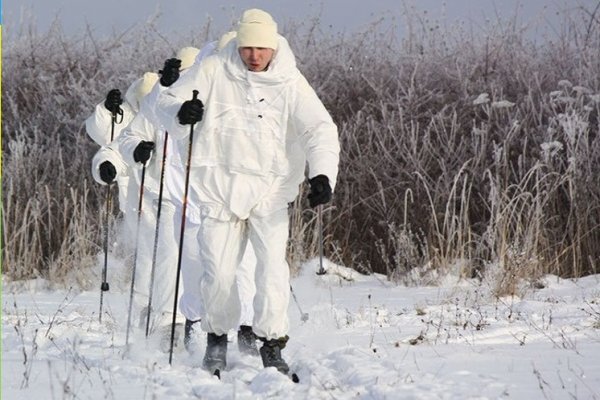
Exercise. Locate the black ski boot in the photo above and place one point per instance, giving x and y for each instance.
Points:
(247, 341)
(190, 341)
(216, 352)
(270, 353)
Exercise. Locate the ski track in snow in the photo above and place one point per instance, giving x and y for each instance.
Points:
(365, 338)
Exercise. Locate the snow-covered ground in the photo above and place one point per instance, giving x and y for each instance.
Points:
(365, 338)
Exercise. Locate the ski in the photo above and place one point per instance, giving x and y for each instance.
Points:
(292, 375)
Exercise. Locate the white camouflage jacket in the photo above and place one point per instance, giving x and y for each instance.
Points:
(252, 120)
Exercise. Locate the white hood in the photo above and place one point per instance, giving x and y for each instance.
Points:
(282, 68)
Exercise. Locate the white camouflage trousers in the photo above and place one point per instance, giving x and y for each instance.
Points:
(222, 244)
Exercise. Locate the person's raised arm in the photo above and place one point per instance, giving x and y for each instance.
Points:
(175, 108)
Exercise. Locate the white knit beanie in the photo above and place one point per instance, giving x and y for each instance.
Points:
(226, 38)
(257, 29)
(187, 55)
(140, 88)
(146, 85)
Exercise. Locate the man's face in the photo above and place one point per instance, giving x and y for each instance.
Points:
(257, 59)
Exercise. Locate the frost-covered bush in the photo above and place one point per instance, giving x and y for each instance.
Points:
(455, 146)
(474, 146)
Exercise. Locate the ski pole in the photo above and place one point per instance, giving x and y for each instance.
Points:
(303, 315)
(104, 285)
(320, 227)
(156, 230)
(181, 232)
(135, 253)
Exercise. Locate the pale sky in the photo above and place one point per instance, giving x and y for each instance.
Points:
(338, 15)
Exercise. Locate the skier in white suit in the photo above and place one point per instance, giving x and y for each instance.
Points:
(253, 106)
(101, 128)
(140, 140)
(112, 163)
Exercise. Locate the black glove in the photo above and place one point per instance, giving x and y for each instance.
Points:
(143, 151)
(108, 173)
(320, 190)
(170, 72)
(191, 111)
(113, 101)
